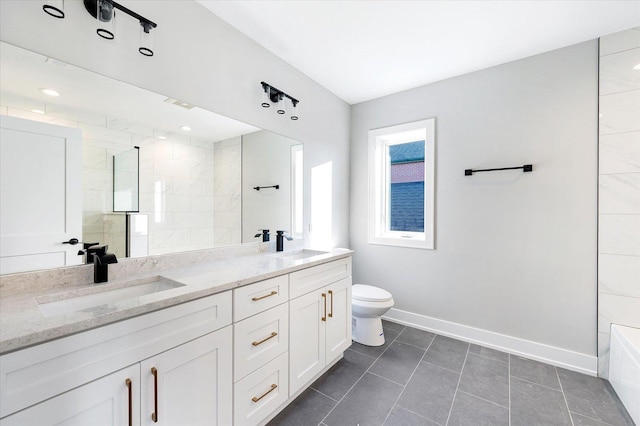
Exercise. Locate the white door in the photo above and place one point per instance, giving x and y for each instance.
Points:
(307, 319)
(40, 195)
(191, 384)
(339, 318)
(113, 400)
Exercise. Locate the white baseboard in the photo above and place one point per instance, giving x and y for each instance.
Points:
(570, 360)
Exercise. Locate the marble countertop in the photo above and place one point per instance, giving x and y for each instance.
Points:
(23, 323)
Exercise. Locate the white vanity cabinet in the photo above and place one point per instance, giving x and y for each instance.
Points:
(233, 358)
(320, 319)
(82, 379)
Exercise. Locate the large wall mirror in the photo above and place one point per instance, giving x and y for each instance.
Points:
(197, 170)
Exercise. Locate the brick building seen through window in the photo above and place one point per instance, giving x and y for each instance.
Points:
(407, 187)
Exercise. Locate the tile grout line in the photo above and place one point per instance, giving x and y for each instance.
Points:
(458, 385)
(323, 394)
(482, 399)
(357, 381)
(564, 397)
(537, 384)
(395, 404)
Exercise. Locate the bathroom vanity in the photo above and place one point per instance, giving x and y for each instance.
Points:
(217, 343)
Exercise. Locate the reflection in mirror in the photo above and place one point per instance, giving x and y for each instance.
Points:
(126, 180)
(192, 191)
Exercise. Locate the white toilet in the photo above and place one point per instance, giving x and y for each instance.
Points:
(369, 303)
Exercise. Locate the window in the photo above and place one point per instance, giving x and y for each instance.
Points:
(401, 185)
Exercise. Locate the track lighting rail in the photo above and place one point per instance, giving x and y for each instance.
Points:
(275, 93)
(90, 5)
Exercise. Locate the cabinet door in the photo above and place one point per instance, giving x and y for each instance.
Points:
(110, 401)
(338, 318)
(306, 338)
(190, 384)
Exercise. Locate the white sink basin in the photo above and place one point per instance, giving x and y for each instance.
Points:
(299, 254)
(72, 301)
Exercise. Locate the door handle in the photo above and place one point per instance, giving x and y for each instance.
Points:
(324, 315)
(154, 415)
(331, 305)
(72, 241)
(128, 384)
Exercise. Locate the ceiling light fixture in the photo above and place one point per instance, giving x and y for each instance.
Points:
(271, 95)
(50, 92)
(186, 128)
(104, 12)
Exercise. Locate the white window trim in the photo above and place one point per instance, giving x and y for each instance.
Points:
(379, 139)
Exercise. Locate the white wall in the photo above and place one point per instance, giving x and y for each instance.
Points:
(266, 161)
(515, 252)
(201, 60)
(619, 188)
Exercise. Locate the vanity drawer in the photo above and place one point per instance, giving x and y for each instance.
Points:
(259, 339)
(34, 374)
(261, 392)
(306, 280)
(255, 298)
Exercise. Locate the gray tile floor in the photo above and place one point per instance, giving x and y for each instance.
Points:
(418, 378)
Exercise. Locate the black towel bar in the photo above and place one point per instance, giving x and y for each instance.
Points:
(258, 188)
(525, 168)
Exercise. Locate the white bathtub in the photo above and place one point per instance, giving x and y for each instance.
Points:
(624, 367)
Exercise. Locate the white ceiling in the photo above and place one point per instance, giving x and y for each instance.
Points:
(361, 50)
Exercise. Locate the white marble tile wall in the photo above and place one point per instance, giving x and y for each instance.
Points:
(228, 191)
(619, 188)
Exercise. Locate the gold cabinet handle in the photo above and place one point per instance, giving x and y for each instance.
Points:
(331, 312)
(130, 397)
(258, 398)
(271, 336)
(154, 415)
(324, 297)
(273, 293)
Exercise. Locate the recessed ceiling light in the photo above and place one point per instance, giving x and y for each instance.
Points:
(637, 67)
(162, 137)
(50, 92)
(37, 111)
(186, 128)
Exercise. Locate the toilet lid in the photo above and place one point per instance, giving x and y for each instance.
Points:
(369, 293)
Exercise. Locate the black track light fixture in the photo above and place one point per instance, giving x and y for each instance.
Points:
(274, 95)
(105, 13)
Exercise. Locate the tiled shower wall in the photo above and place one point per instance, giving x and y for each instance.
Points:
(619, 188)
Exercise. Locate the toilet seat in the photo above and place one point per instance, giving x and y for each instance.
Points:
(369, 293)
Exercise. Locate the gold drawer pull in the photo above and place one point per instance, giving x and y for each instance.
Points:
(273, 334)
(130, 399)
(273, 293)
(256, 399)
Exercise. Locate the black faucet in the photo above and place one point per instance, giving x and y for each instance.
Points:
(280, 236)
(265, 235)
(101, 260)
